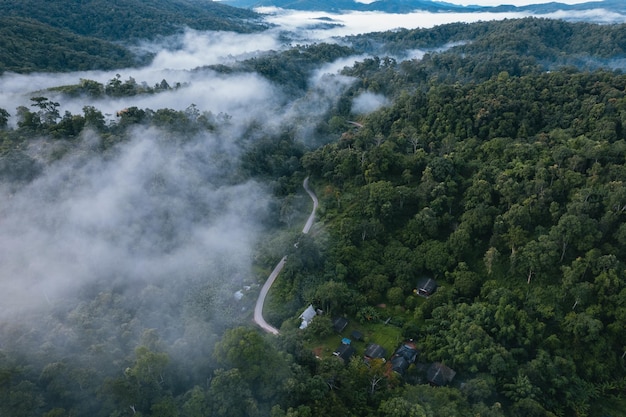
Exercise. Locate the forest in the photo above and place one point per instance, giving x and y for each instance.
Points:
(497, 169)
(87, 35)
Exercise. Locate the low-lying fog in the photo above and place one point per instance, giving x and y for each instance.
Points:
(155, 215)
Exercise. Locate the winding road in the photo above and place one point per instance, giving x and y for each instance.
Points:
(258, 308)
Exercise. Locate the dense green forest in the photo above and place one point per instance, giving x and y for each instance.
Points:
(497, 169)
(89, 35)
(133, 19)
(27, 46)
(510, 194)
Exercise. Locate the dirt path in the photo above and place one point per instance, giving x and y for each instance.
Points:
(258, 308)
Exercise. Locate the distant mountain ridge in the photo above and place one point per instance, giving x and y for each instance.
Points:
(406, 6)
(124, 20)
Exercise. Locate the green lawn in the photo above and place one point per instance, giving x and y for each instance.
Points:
(388, 336)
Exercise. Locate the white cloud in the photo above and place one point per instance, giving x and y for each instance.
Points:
(594, 15)
(364, 22)
(149, 212)
(196, 49)
(368, 102)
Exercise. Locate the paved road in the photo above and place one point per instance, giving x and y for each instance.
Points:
(311, 219)
(258, 309)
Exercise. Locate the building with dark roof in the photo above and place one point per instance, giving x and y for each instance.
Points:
(439, 374)
(339, 324)
(374, 351)
(344, 352)
(426, 287)
(403, 357)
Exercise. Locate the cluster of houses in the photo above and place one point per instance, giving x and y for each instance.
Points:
(437, 373)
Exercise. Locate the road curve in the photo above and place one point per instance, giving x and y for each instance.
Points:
(258, 308)
(311, 219)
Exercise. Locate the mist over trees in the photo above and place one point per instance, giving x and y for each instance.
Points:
(88, 35)
(485, 165)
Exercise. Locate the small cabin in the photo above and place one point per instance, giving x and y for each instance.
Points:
(403, 357)
(374, 351)
(426, 287)
(439, 374)
(344, 352)
(340, 324)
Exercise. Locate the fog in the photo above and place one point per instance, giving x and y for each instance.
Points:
(146, 214)
(306, 24)
(196, 49)
(352, 23)
(595, 15)
(156, 232)
(368, 102)
(154, 220)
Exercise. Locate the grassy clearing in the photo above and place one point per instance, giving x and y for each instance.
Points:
(388, 336)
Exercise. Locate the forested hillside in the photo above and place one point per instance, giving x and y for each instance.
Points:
(490, 167)
(482, 49)
(132, 19)
(27, 46)
(88, 35)
(408, 6)
(510, 193)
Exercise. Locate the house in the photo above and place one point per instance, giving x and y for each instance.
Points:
(426, 287)
(339, 324)
(403, 357)
(439, 374)
(344, 352)
(306, 316)
(374, 351)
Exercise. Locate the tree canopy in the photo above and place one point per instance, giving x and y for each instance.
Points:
(492, 169)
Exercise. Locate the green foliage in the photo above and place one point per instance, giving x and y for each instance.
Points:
(246, 352)
(502, 181)
(484, 50)
(508, 197)
(132, 19)
(86, 35)
(319, 328)
(4, 118)
(27, 46)
(293, 67)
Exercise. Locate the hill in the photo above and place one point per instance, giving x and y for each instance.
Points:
(132, 19)
(84, 35)
(27, 45)
(407, 6)
(493, 166)
(402, 6)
